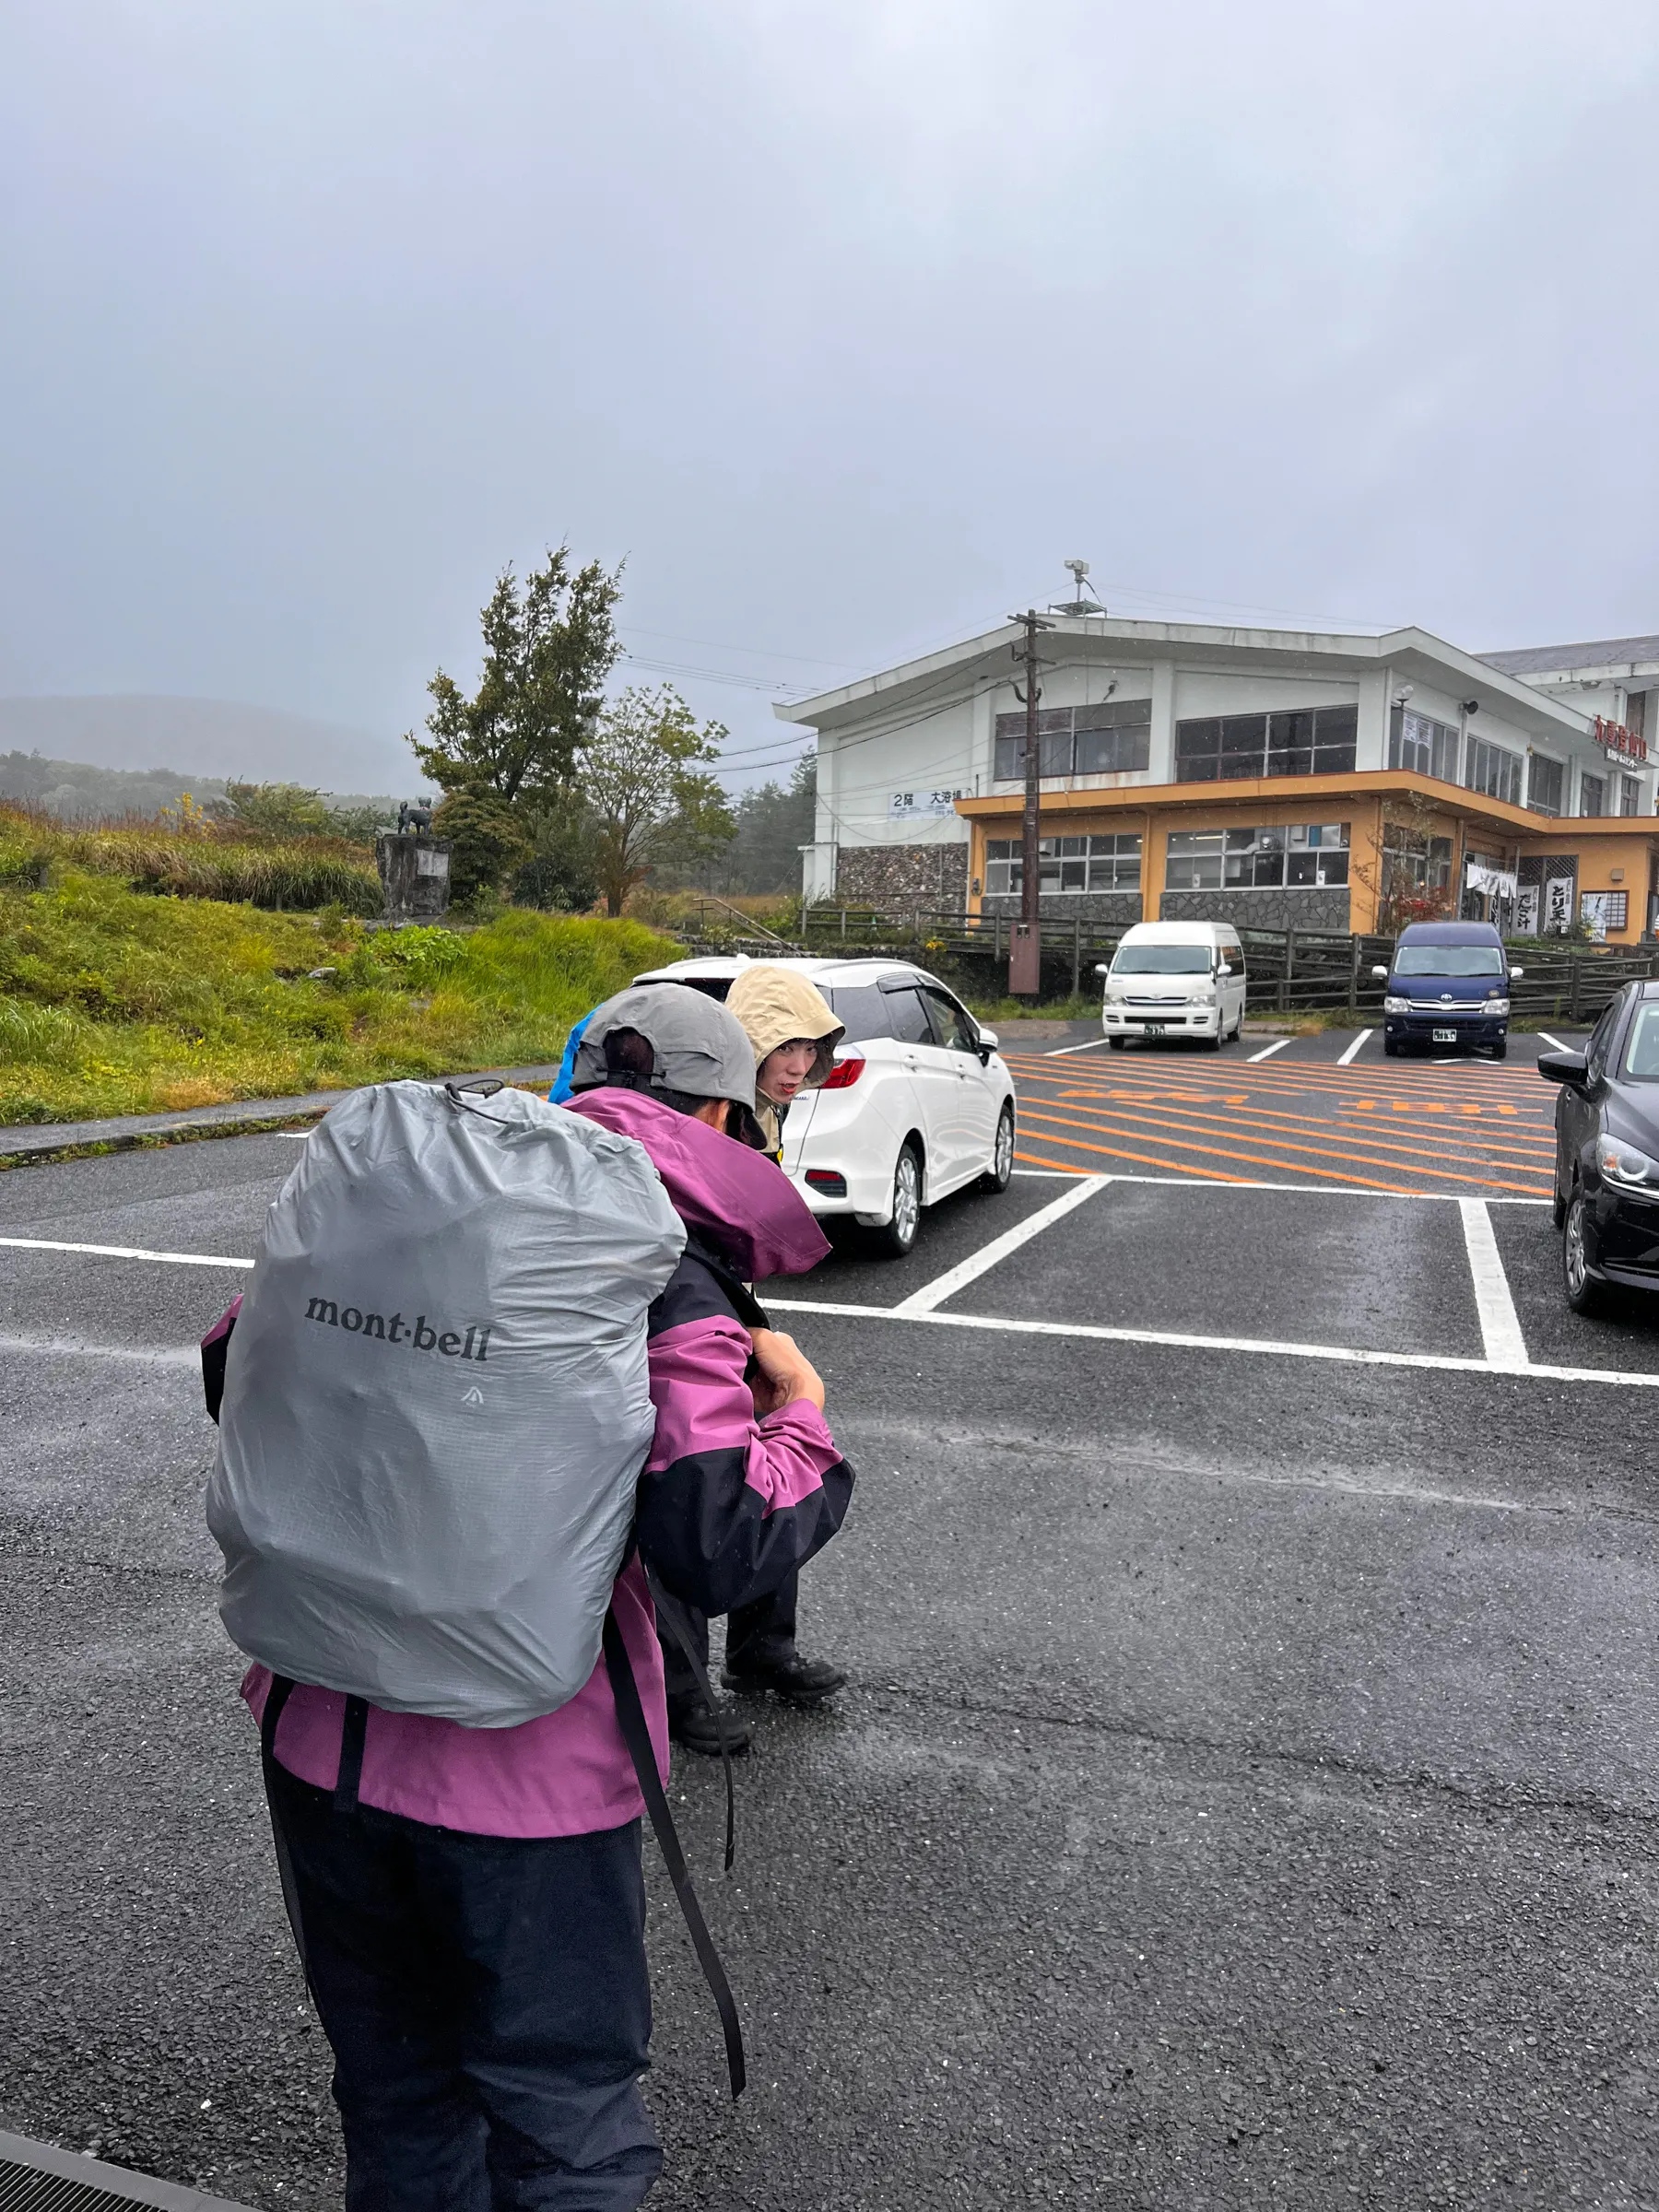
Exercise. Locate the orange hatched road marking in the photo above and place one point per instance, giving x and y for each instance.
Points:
(1053, 1122)
(1268, 1079)
(1268, 1126)
(1318, 1074)
(1078, 1144)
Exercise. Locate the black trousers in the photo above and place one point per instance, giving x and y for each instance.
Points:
(761, 1633)
(486, 2002)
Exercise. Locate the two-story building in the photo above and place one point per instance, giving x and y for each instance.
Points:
(1334, 780)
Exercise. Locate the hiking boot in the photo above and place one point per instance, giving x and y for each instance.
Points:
(798, 1681)
(693, 1725)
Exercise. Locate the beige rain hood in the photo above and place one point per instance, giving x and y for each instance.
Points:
(776, 1005)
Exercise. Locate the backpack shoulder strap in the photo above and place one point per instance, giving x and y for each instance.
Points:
(631, 1715)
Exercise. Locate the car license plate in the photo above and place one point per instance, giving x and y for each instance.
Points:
(1445, 1036)
(1152, 1029)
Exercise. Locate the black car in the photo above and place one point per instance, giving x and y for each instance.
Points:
(1607, 1173)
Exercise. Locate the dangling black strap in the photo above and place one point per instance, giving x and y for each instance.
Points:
(631, 1715)
(354, 1731)
(671, 1616)
(276, 1697)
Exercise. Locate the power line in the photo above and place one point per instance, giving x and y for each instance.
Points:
(689, 674)
(760, 652)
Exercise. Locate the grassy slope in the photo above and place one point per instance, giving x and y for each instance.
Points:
(115, 1002)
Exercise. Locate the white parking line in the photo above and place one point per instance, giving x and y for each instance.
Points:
(125, 1251)
(1501, 1335)
(1088, 1045)
(57, 1348)
(1348, 1058)
(1267, 1051)
(1346, 1354)
(1554, 1043)
(955, 1278)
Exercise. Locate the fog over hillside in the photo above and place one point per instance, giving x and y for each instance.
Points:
(211, 738)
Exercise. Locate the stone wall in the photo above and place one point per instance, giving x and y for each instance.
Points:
(901, 878)
(1113, 910)
(1301, 908)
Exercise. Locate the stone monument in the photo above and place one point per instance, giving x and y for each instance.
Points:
(414, 867)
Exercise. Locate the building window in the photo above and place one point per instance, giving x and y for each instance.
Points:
(1262, 859)
(1630, 792)
(1113, 738)
(1415, 866)
(1493, 770)
(1065, 864)
(1422, 746)
(1309, 741)
(1604, 910)
(1593, 794)
(1546, 785)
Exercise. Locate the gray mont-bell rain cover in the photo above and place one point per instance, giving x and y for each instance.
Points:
(436, 1403)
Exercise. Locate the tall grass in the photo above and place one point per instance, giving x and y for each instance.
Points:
(193, 856)
(115, 1002)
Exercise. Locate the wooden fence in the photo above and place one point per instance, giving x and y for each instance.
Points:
(1289, 969)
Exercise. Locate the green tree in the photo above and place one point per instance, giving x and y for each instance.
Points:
(489, 839)
(279, 809)
(559, 872)
(548, 650)
(775, 821)
(649, 797)
(361, 824)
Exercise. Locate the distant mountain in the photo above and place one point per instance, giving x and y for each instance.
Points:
(79, 792)
(217, 740)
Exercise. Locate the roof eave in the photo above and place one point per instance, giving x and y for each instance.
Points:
(1381, 648)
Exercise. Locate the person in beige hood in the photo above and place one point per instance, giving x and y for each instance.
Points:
(794, 1035)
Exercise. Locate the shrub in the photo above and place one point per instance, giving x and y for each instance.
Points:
(488, 839)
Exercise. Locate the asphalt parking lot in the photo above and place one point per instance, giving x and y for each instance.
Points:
(1246, 1792)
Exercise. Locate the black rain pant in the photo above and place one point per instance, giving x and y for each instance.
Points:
(486, 2001)
(761, 1633)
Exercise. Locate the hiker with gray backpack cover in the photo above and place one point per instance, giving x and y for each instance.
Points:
(495, 1363)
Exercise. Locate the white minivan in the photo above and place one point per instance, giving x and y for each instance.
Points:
(1175, 979)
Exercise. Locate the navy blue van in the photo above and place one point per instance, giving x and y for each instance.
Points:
(1448, 984)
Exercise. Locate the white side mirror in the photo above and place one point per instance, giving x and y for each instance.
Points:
(1516, 973)
(1101, 969)
(1381, 974)
(989, 1039)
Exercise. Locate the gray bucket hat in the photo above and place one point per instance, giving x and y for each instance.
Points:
(697, 1047)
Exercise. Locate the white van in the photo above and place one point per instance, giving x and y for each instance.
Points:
(1175, 979)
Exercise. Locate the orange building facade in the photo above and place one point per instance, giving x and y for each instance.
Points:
(1412, 847)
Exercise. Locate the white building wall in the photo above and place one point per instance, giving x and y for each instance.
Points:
(1161, 768)
(1200, 692)
(926, 759)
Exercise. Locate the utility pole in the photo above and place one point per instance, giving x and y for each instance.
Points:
(1025, 945)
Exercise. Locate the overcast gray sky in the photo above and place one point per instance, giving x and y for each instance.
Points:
(844, 323)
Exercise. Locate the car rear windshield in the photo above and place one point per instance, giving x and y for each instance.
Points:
(861, 1008)
(1641, 1054)
(1449, 959)
(1162, 959)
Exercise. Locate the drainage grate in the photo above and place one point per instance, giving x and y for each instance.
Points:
(34, 2178)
